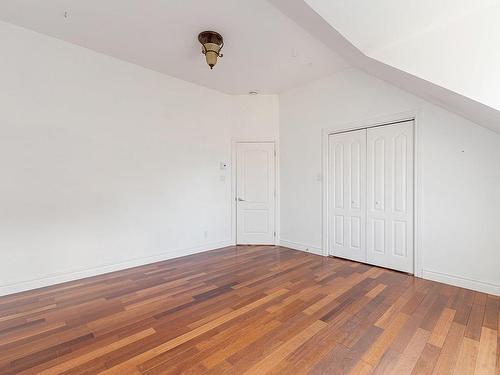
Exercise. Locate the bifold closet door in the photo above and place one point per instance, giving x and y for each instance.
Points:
(347, 195)
(389, 215)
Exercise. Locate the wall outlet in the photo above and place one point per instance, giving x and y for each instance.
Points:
(205, 233)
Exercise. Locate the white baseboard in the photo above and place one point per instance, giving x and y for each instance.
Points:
(24, 285)
(21, 286)
(480, 286)
(301, 247)
(463, 282)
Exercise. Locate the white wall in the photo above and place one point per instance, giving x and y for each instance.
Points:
(255, 116)
(105, 165)
(459, 175)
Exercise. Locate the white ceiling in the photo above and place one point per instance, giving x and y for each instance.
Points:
(451, 43)
(264, 50)
(374, 25)
(383, 24)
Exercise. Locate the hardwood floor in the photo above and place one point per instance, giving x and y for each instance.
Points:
(250, 310)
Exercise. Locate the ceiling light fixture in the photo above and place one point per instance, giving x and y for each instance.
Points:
(253, 93)
(212, 44)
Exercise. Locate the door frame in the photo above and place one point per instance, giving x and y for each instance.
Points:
(234, 213)
(416, 117)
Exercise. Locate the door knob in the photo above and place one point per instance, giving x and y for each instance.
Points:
(240, 200)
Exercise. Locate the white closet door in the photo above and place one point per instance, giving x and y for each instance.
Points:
(390, 196)
(347, 185)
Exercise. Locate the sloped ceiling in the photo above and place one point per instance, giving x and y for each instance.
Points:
(375, 25)
(445, 51)
(264, 50)
(416, 52)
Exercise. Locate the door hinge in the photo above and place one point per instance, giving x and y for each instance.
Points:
(274, 234)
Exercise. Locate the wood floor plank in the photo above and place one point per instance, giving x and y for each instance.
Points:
(467, 358)
(385, 339)
(288, 347)
(486, 361)
(427, 360)
(96, 353)
(442, 327)
(449, 353)
(476, 317)
(491, 312)
(131, 363)
(411, 354)
(361, 368)
(250, 310)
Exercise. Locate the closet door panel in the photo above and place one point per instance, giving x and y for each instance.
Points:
(389, 212)
(347, 192)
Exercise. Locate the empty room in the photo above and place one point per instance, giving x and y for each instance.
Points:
(239, 187)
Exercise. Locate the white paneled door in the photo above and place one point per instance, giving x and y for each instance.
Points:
(255, 193)
(390, 196)
(348, 195)
(371, 195)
